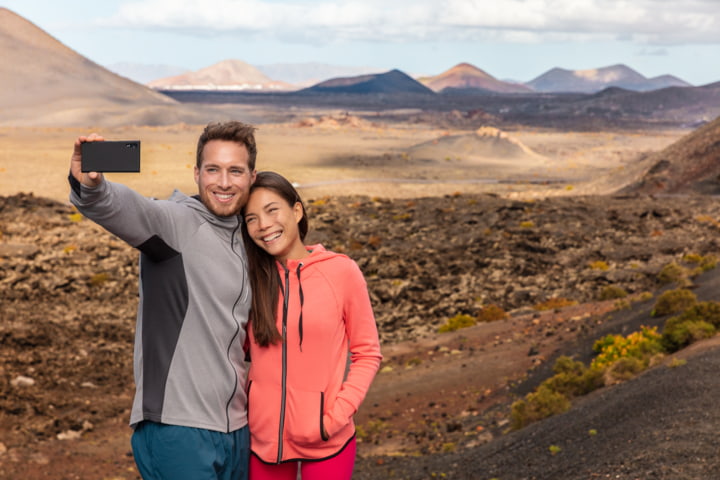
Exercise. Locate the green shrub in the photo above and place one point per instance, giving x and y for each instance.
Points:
(674, 301)
(644, 297)
(457, 322)
(707, 311)
(672, 272)
(622, 305)
(536, 406)
(704, 263)
(491, 313)
(623, 369)
(680, 332)
(573, 378)
(612, 292)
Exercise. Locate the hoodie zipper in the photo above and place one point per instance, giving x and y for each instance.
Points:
(283, 393)
(237, 324)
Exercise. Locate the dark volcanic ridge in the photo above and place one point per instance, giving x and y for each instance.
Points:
(689, 166)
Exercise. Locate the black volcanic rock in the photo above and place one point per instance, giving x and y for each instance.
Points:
(393, 81)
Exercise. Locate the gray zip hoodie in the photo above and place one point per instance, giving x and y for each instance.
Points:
(194, 302)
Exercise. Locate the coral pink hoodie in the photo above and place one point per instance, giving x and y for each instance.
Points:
(303, 385)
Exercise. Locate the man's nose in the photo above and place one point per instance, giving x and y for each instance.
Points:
(224, 179)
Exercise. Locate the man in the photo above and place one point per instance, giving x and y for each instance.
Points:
(190, 409)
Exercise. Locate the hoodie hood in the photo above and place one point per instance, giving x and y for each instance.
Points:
(318, 254)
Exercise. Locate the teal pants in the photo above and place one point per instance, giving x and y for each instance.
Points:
(171, 452)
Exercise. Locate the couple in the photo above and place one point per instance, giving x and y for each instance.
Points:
(206, 305)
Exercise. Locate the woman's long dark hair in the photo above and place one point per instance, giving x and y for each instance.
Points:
(263, 269)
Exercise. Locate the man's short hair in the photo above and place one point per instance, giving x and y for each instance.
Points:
(232, 131)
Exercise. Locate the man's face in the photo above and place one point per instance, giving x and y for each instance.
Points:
(224, 178)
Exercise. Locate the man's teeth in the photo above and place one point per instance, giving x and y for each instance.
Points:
(272, 237)
(224, 196)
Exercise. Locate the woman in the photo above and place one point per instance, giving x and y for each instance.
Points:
(310, 308)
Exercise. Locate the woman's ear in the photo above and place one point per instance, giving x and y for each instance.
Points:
(298, 210)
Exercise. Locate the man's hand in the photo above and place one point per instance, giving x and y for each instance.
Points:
(89, 179)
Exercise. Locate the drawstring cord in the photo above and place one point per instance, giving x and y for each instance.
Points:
(286, 298)
(302, 300)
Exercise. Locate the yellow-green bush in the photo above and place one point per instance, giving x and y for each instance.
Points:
(674, 301)
(672, 272)
(704, 263)
(619, 358)
(641, 345)
(708, 311)
(573, 378)
(623, 369)
(457, 322)
(491, 313)
(599, 265)
(540, 404)
(98, 279)
(612, 292)
(681, 331)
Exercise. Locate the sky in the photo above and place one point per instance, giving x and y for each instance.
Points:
(509, 39)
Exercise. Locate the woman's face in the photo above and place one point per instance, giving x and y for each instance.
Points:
(273, 224)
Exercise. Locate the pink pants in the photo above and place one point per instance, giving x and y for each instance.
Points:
(339, 467)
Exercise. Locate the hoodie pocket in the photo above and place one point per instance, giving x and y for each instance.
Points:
(264, 410)
(304, 417)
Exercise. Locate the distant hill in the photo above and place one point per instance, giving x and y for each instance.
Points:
(40, 78)
(467, 77)
(311, 73)
(682, 105)
(225, 75)
(690, 165)
(393, 81)
(594, 80)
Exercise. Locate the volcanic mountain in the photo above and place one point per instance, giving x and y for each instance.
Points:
(594, 80)
(689, 166)
(393, 81)
(225, 75)
(44, 81)
(466, 77)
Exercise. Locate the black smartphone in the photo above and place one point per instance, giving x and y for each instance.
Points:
(111, 156)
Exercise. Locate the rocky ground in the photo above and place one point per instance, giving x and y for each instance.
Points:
(440, 405)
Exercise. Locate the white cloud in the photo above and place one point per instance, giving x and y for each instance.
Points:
(654, 22)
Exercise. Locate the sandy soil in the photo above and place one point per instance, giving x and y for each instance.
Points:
(330, 160)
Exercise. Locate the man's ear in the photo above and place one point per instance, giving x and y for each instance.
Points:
(196, 174)
(253, 177)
